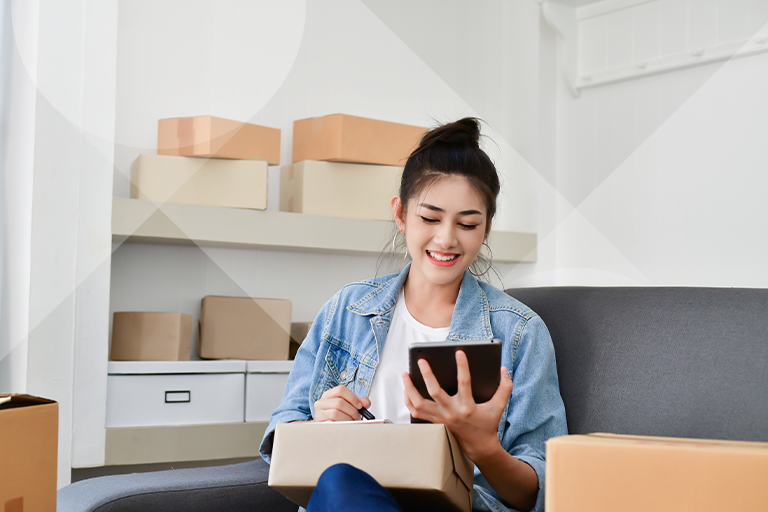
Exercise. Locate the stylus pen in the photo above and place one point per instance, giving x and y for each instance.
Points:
(365, 413)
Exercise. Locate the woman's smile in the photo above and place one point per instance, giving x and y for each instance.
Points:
(442, 259)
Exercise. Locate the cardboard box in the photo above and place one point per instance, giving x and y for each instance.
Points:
(149, 336)
(345, 138)
(215, 137)
(605, 472)
(299, 331)
(210, 182)
(245, 328)
(29, 430)
(332, 189)
(422, 465)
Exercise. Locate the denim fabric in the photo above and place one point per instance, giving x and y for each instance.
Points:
(349, 332)
(344, 488)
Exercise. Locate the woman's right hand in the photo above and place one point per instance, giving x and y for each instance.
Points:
(339, 404)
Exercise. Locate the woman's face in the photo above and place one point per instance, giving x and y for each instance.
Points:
(445, 227)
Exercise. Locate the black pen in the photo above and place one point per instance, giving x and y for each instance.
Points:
(365, 413)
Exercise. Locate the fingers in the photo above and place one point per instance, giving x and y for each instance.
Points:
(418, 406)
(463, 377)
(338, 404)
(433, 387)
(503, 392)
(366, 402)
(344, 393)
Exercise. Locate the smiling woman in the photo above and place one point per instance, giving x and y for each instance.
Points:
(356, 353)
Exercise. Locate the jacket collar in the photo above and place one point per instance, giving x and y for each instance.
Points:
(471, 315)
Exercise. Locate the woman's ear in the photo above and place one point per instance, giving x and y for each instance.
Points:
(397, 212)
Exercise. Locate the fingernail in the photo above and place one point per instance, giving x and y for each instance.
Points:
(359, 405)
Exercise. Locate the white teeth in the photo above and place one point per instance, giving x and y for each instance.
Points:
(442, 258)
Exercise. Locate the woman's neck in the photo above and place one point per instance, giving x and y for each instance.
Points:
(429, 303)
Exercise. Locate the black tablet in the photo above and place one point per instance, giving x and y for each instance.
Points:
(484, 359)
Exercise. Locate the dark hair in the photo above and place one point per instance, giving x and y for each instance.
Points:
(452, 149)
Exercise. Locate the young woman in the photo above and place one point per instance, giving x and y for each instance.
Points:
(356, 353)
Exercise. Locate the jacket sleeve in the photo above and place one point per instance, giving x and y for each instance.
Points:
(296, 405)
(535, 412)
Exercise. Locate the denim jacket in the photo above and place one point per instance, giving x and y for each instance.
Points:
(349, 333)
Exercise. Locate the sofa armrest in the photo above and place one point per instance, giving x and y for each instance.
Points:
(232, 488)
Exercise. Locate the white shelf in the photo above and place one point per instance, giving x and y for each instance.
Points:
(172, 367)
(138, 221)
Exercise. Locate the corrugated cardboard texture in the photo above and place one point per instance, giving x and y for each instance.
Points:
(299, 331)
(245, 328)
(604, 472)
(345, 138)
(422, 465)
(333, 189)
(150, 336)
(206, 181)
(29, 434)
(210, 136)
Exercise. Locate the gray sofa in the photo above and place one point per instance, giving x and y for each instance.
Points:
(680, 362)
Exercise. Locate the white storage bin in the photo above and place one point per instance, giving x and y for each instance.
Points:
(264, 386)
(157, 393)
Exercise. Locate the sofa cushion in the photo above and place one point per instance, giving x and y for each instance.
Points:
(681, 362)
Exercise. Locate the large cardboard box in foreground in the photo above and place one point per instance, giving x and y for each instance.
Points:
(422, 464)
(333, 189)
(150, 336)
(215, 137)
(247, 328)
(29, 432)
(209, 182)
(606, 473)
(345, 138)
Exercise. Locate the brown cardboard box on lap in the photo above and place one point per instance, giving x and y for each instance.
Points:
(29, 432)
(150, 336)
(215, 137)
(247, 328)
(421, 464)
(607, 472)
(345, 138)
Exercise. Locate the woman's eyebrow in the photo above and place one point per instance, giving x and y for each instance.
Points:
(440, 210)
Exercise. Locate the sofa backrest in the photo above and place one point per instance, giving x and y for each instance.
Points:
(679, 362)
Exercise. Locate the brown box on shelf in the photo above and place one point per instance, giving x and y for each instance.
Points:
(335, 189)
(29, 430)
(299, 331)
(150, 336)
(345, 138)
(606, 472)
(205, 181)
(215, 137)
(421, 464)
(245, 328)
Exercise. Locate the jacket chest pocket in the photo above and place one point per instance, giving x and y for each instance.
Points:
(340, 369)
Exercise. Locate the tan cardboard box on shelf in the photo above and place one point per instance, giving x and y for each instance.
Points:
(210, 182)
(248, 328)
(29, 430)
(345, 138)
(215, 137)
(334, 189)
(606, 472)
(150, 336)
(421, 464)
(299, 331)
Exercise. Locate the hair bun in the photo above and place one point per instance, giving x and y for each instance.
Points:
(462, 132)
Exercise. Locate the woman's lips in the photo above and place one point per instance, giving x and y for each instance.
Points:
(440, 263)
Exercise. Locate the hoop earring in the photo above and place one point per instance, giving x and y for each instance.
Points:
(394, 249)
(490, 262)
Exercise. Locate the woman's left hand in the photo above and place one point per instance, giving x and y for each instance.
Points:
(474, 425)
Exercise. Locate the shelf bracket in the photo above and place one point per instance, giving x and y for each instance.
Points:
(563, 21)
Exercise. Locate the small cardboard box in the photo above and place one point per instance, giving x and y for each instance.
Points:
(210, 182)
(245, 328)
(606, 472)
(345, 138)
(215, 137)
(29, 430)
(422, 465)
(150, 336)
(299, 331)
(333, 189)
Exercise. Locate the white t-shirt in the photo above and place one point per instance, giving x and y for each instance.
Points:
(387, 389)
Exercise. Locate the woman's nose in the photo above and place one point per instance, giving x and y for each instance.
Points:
(446, 235)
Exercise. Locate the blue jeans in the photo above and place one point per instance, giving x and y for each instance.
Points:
(344, 488)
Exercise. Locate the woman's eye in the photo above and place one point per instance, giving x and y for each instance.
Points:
(468, 226)
(428, 220)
